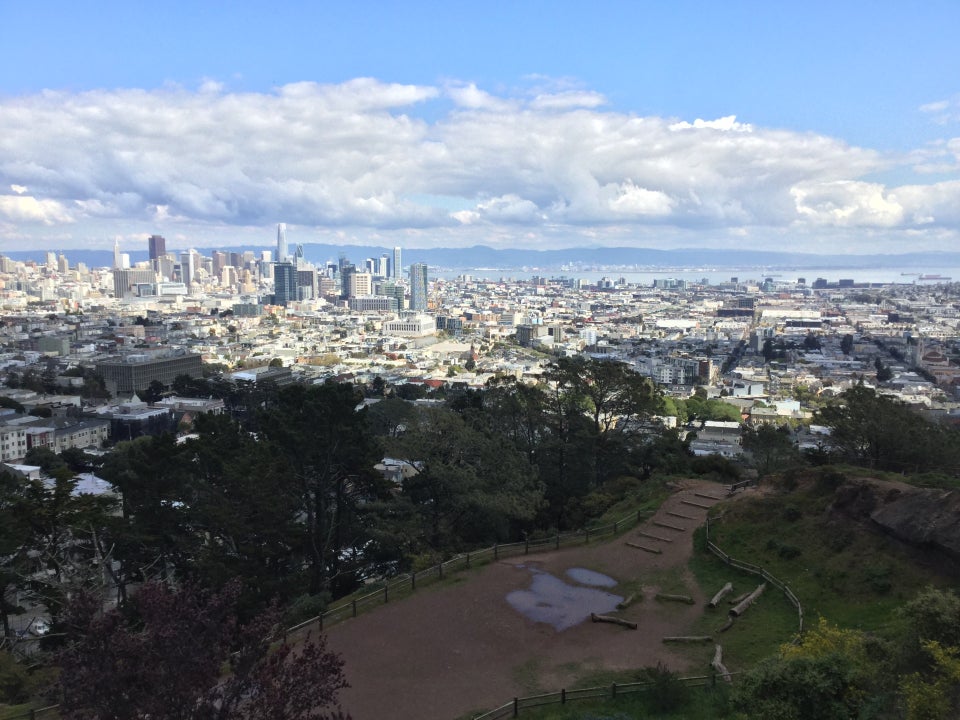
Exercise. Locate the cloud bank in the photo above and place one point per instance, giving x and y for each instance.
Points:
(447, 165)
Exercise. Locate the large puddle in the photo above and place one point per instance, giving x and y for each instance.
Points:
(555, 602)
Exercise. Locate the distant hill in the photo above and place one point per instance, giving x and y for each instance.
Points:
(481, 256)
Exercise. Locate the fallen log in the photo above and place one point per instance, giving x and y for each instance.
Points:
(676, 598)
(688, 638)
(623, 604)
(739, 598)
(615, 620)
(727, 625)
(717, 663)
(719, 596)
(656, 551)
(742, 606)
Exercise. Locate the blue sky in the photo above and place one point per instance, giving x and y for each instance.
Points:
(750, 124)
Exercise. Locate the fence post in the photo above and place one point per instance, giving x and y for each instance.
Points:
(526, 546)
(321, 622)
(468, 559)
(413, 580)
(613, 690)
(587, 532)
(557, 543)
(496, 551)
(563, 696)
(353, 604)
(440, 570)
(638, 517)
(516, 707)
(386, 594)
(33, 714)
(616, 527)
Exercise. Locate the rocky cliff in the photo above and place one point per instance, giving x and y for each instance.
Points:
(922, 517)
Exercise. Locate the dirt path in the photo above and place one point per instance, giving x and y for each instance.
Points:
(446, 652)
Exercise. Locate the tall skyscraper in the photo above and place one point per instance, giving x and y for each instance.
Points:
(157, 245)
(282, 242)
(116, 253)
(418, 287)
(397, 265)
(284, 283)
(188, 268)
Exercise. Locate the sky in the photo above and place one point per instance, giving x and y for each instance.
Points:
(811, 127)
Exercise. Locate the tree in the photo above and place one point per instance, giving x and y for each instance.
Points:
(811, 342)
(883, 433)
(154, 392)
(468, 486)
(161, 657)
(614, 397)
(846, 344)
(771, 448)
(322, 441)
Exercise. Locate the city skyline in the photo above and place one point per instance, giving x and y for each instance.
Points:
(816, 129)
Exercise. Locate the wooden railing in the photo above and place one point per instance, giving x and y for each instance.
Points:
(512, 709)
(757, 570)
(404, 584)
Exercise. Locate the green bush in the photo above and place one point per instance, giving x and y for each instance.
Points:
(14, 680)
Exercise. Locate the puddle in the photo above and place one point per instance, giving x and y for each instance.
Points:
(551, 600)
(590, 577)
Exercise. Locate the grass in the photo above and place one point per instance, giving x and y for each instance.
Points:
(851, 574)
(770, 621)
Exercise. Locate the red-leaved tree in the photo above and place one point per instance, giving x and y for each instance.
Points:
(178, 654)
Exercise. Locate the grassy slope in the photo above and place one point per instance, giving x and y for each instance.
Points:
(851, 574)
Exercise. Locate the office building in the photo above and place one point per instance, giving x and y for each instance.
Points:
(126, 283)
(284, 283)
(359, 284)
(188, 269)
(418, 287)
(157, 246)
(397, 265)
(282, 242)
(134, 373)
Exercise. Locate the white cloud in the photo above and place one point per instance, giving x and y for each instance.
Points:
(847, 203)
(27, 209)
(472, 97)
(567, 100)
(633, 200)
(725, 123)
(356, 156)
(943, 112)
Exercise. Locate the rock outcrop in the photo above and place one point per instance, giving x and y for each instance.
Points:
(923, 517)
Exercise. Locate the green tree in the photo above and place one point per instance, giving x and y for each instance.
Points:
(468, 487)
(880, 432)
(770, 448)
(615, 398)
(323, 441)
(846, 344)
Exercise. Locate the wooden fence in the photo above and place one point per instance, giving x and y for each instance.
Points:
(404, 584)
(609, 692)
(757, 570)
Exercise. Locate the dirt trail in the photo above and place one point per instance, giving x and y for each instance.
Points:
(448, 651)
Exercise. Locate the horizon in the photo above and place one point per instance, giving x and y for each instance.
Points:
(820, 129)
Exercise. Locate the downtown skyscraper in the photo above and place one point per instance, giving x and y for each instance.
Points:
(282, 242)
(397, 265)
(418, 287)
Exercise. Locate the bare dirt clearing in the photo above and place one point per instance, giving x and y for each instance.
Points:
(447, 651)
